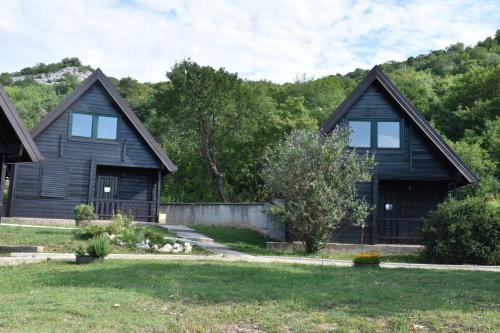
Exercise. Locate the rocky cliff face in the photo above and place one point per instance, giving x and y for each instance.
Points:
(55, 77)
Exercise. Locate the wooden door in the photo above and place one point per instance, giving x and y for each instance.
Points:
(107, 188)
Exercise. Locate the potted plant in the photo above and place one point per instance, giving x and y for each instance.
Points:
(97, 249)
(367, 259)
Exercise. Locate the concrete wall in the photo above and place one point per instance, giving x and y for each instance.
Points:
(253, 216)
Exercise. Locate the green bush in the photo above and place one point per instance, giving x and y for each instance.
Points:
(128, 235)
(118, 222)
(83, 213)
(464, 231)
(93, 231)
(99, 247)
(155, 236)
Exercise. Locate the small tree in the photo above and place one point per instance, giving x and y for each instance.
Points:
(315, 176)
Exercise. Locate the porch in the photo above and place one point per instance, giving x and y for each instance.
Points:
(125, 189)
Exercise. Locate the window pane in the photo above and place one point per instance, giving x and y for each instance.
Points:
(388, 134)
(360, 134)
(107, 127)
(81, 125)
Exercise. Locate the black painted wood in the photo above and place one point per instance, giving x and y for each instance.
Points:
(67, 177)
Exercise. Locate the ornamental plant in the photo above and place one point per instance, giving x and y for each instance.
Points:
(370, 257)
(83, 214)
(99, 247)
(314, 176)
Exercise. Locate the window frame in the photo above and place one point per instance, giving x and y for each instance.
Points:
(95, 121)
(374, 133)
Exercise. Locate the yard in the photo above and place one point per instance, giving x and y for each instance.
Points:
(238, 297)
(61, 240)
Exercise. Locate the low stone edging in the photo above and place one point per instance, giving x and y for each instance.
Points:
(291, 247)
(20, 248)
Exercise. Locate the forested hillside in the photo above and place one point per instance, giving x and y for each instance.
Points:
(216, 126)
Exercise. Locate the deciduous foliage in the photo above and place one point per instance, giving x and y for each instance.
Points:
(314, 177)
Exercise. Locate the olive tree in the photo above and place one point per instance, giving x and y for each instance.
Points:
(314, 176)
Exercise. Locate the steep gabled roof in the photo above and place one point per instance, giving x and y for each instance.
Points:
(29, 152)
(376, 74)
(98, 76)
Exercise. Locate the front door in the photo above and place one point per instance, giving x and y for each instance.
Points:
(389, 213)
(107, 188)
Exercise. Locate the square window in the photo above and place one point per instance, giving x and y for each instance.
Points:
(107, 127)
(81, 125)
(388, 134)
(360, 135)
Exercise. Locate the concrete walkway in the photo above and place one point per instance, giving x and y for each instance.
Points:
(250, 259)
(192, 236)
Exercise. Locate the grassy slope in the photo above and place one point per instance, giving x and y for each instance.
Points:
(231, 297)
(60, 240)
(252, 242)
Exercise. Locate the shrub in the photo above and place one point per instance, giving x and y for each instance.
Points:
(368, 258)
(83, 213)
(128, 235)
(463, 231)
(99, 247)
(118, 222)
(154, 236)
(93, 231)
(315, 178)
(80, 251)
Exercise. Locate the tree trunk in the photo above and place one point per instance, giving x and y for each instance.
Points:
(208, 152)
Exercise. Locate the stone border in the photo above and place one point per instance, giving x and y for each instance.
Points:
(292, 247)
(20, 248)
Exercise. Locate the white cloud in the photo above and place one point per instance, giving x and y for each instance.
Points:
(274, 40)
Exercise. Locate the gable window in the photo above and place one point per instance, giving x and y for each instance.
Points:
(85, 125)
(107, 127)
(360, 134)
(388, 134)
(81, 125)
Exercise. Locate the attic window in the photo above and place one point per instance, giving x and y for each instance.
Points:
(94, 126)
(107, 127)
(360, 135)
(388, 134)
(81, 125)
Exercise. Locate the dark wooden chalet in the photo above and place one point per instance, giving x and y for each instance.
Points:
(96, 151)
(415, 167)
(16, 144)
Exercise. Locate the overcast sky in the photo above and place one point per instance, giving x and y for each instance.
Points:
(271, 39)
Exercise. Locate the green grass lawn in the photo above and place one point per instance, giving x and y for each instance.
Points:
(252, 242)
(238, 297)
(61, 240)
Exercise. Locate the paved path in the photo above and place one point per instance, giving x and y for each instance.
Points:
(203, 241)
(251, 259)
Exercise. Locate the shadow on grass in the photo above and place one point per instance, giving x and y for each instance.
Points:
(370, 292)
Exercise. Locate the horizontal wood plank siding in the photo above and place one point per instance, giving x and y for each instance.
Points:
(74, 155)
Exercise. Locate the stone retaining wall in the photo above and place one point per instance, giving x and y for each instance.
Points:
(338, 247)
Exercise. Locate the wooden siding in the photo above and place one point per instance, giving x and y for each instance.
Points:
(395, 163)
(74, 156)
(416, 160)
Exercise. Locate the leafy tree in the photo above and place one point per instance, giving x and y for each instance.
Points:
(315, 177)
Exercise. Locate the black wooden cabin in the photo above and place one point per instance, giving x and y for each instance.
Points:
(96, 152)
(16, 145)
(415, 168)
